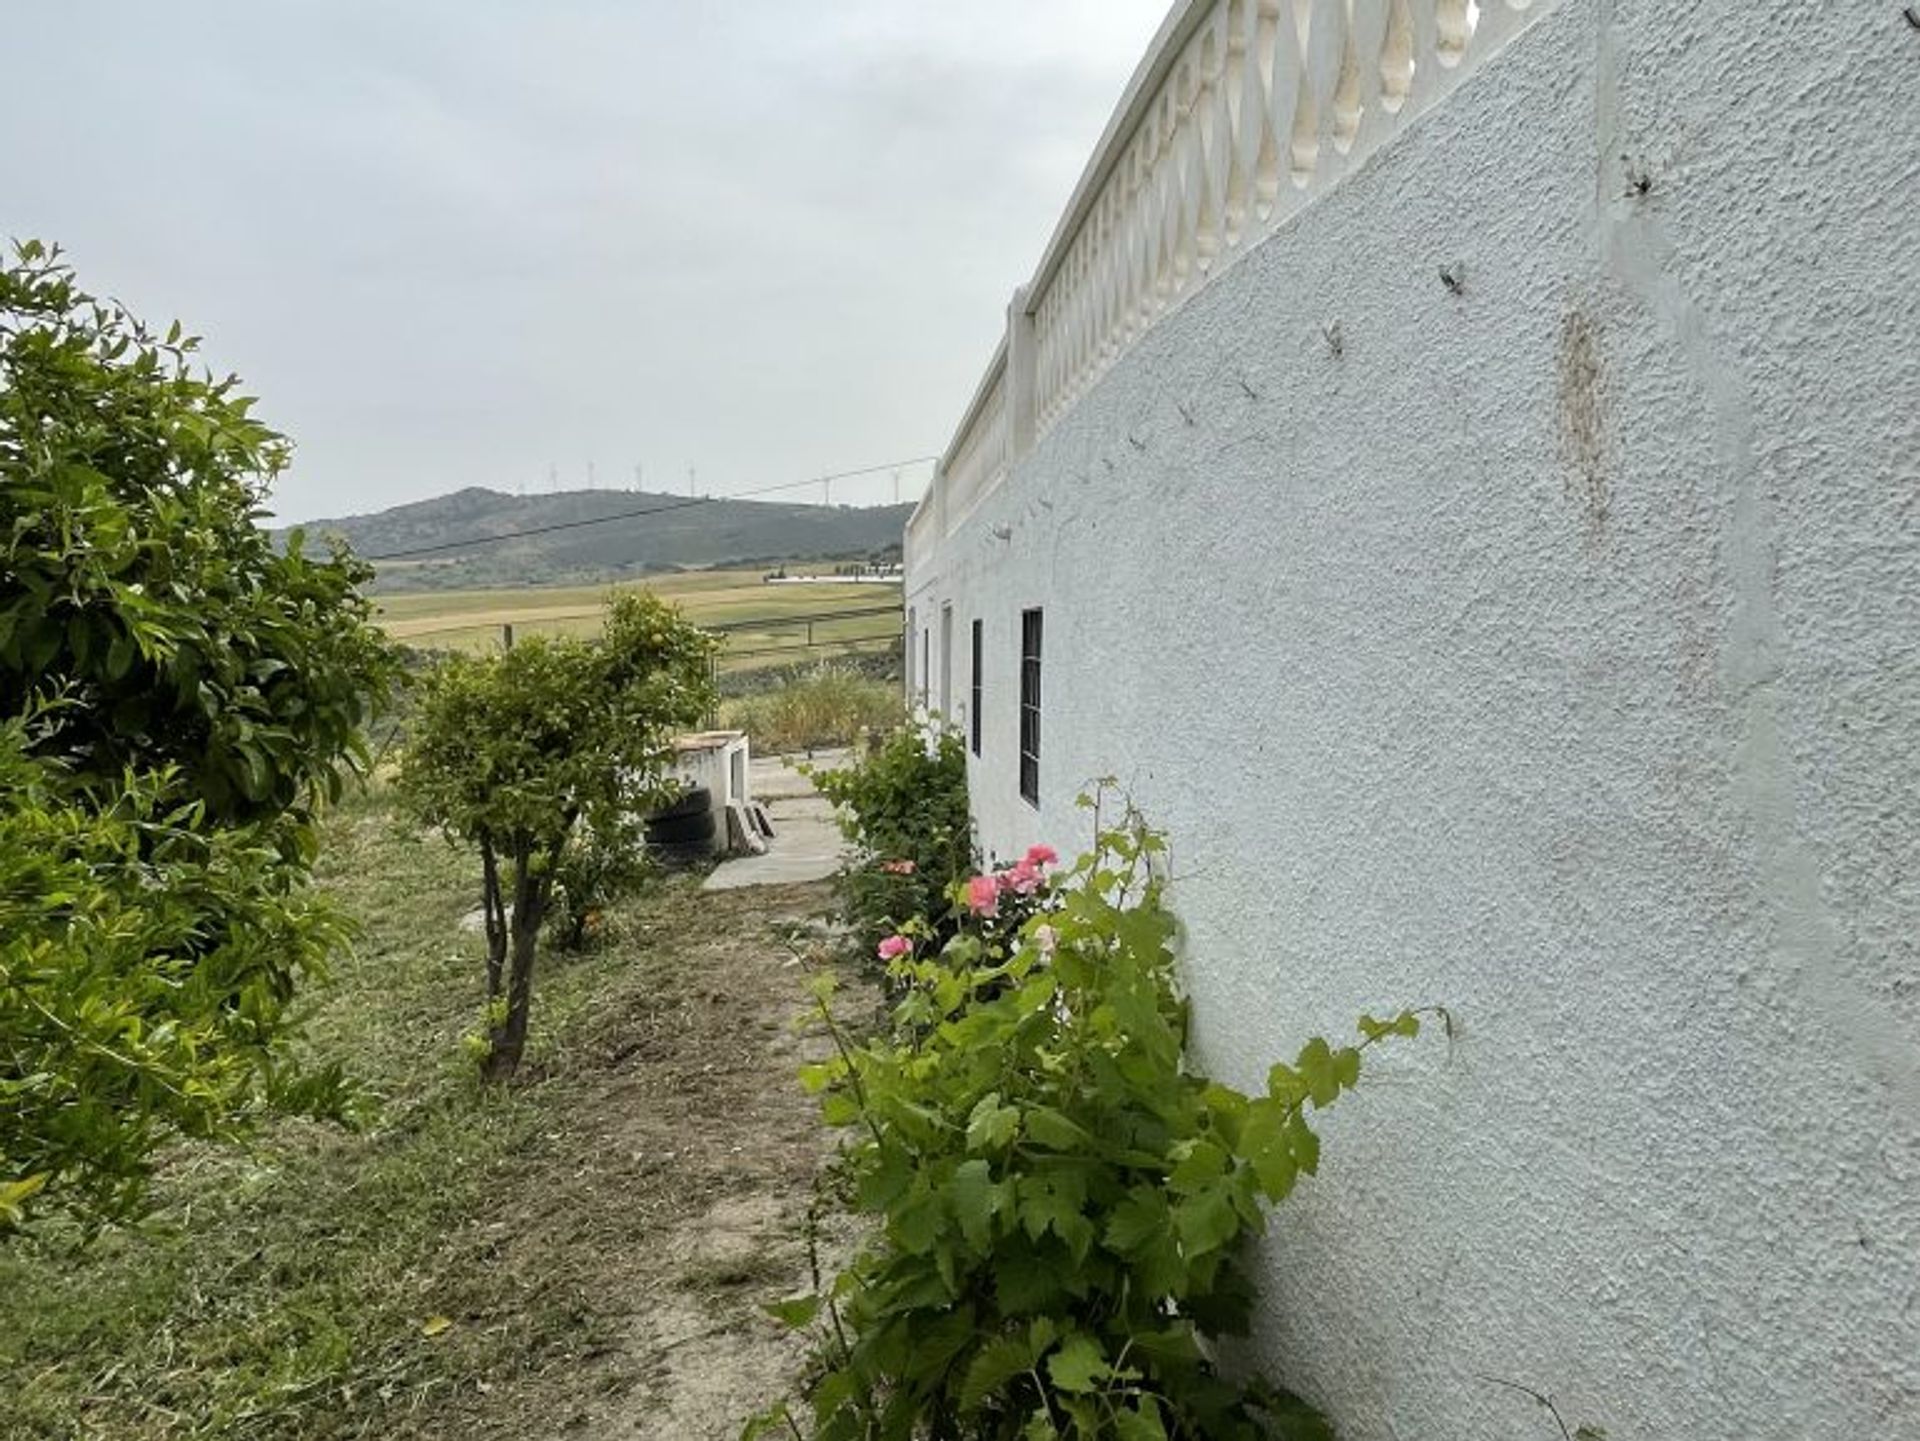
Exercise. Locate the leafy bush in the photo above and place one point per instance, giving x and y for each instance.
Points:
(139, 583)
(144, 963)
(904, 807)
(601, 865)
(1061, 1202)
(178, 698)
(511, 752)
(827, 705)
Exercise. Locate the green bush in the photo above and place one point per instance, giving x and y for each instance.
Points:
(828, 705)
(904, 807)
(602, 864)
(179, 698)
(1061, 1203)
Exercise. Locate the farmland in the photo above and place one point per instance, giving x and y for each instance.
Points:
(764, 620)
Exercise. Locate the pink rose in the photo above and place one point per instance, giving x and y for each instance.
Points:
(897, 868)
(983, 896)
(1021, 878)
(894, 947)
(1042, 855)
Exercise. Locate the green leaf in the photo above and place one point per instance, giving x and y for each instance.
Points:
(997, 1363)
(1079, 1364)
(1048, 1127)
(992, 1126)
(1206, 1221)
(1141, 1218)
(1304, 1143)
(1141, 1425)
(1204, 1161)
(1316, 1067)
(796, 1312)
(1267, 1145)
(974, 1200)
(917, 1221)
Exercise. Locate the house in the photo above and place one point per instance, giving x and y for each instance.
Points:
(1458, 466)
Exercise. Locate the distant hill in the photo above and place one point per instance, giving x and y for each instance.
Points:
(719, 532)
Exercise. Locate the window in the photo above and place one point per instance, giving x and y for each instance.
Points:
(946, 663)
(973, 692)
(913, 629)
(1030, 706)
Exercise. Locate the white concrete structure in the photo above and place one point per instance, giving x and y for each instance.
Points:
(1467, 458)
(719, 762)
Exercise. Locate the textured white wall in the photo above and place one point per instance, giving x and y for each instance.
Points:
(1553, 653)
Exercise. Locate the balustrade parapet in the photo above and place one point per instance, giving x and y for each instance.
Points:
(1241, 113)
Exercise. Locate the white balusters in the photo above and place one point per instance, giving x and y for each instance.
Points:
(1258, 107)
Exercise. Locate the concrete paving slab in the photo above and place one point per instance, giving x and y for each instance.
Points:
(806, 844)
(771, 777)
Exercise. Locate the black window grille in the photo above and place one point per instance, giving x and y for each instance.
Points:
(1030, 706)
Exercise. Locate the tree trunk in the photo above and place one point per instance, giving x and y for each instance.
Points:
(532, 892)
(495, 909)
(508, 1040)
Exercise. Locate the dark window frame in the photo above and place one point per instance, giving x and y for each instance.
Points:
(1032, 633)
(975, 685)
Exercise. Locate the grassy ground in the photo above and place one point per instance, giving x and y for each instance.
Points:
(582, 1254)
(471, 619)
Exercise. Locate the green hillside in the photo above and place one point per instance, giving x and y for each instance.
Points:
(599, 548)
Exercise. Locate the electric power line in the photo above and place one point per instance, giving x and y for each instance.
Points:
(564, 525)
(442, 547)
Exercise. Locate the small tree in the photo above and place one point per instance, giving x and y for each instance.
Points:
(510, 753)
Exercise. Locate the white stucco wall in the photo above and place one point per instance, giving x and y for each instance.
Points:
(1552, 653)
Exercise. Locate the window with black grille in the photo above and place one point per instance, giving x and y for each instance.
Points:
(974, 687)
(1030, 706)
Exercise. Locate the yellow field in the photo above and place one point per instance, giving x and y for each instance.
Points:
(473, 619)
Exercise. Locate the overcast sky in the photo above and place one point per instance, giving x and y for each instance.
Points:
(459, 242)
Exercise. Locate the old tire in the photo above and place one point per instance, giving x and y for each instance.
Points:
(695, 829)
(676, 858)
(696, 801)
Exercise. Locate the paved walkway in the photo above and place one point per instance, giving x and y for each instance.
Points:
(806, 843)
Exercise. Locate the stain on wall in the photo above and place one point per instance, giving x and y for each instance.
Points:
(1583, 417)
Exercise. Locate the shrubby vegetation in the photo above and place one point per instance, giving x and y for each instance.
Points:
(832, 704)
(177, 698)
(1061, 1201)
(904, 808)
(514, 753)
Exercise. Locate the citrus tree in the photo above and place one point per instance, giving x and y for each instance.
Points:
(178, 696)
(512, 753)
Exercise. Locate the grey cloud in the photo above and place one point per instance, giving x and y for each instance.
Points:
(452, 243)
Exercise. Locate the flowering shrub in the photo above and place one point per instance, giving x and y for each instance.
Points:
(904, 807)
(1060, 1202)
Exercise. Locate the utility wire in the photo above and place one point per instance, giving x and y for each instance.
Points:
(441, 547)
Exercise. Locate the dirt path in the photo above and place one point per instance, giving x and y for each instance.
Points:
(670, 1204)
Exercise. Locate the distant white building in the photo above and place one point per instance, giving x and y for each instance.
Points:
(1459, 466)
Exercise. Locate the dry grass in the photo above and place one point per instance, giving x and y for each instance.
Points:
(472, 619)
(582, 1254)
